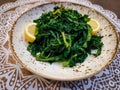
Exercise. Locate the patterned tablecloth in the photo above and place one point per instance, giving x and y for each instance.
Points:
(15, 77)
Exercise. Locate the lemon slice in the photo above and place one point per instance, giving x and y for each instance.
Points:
(29, 32)
(95, 26)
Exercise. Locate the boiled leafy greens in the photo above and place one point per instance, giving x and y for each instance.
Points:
(63, 35)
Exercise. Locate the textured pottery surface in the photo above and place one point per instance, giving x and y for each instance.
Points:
(90, 66)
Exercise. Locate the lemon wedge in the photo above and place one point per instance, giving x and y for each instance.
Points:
(29, 32)
(95, 26)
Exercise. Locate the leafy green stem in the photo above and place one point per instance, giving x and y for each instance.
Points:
(64, 39)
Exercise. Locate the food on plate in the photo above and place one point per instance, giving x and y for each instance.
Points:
(94, 25)
(64, 35)
(29, 32)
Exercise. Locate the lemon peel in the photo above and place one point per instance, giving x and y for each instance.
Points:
(94, 25)
(29, 32)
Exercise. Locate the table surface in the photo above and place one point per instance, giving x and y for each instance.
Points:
(109, 78)
(113, 5)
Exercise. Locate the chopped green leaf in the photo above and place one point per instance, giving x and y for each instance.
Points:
(64, 36)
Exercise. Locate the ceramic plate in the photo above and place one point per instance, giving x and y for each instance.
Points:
(55, 71)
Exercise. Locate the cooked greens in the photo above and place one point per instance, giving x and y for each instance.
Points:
(63, 35)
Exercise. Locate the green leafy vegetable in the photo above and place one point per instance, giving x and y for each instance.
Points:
(63, 35)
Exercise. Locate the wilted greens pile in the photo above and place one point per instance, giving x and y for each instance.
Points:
(63, 35)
